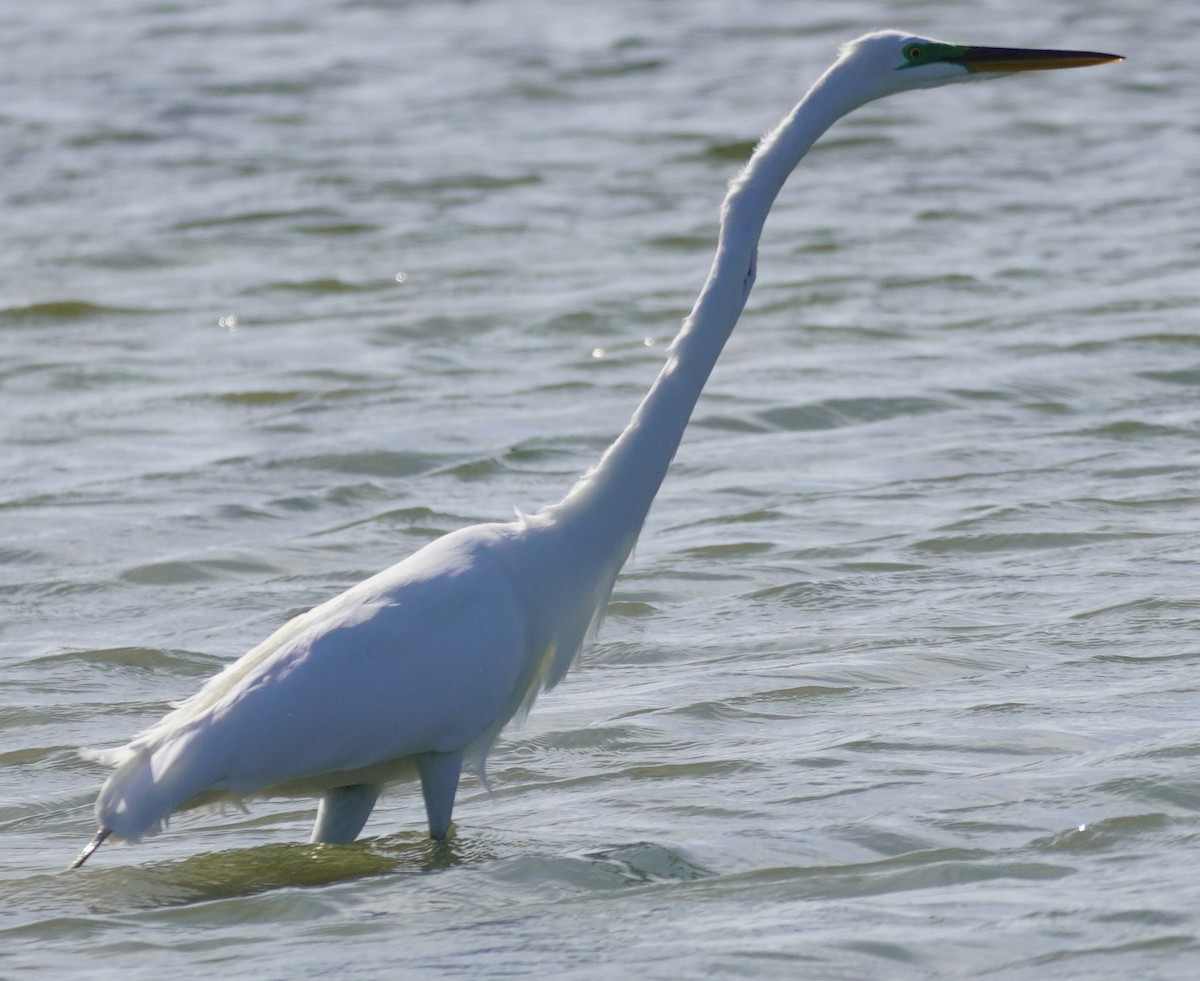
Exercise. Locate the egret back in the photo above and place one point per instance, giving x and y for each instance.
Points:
(435, 654)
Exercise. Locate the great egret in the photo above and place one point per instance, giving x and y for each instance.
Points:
(415, 671)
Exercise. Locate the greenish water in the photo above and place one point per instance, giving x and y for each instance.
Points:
(902, 680)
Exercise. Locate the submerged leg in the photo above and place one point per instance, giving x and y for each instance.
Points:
(439, 781)
(92, 845)
(342, 813)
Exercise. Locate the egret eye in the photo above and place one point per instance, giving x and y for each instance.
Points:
(915, 52)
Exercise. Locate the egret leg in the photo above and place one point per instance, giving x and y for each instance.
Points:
(342, 813)
(92, 845)
(439, 782)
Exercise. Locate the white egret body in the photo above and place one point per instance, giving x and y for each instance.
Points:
(416, 670)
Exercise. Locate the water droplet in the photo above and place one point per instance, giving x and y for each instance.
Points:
(227, 322)
(1082, 828)
(401, 277)
(598, 352)
(648, 342)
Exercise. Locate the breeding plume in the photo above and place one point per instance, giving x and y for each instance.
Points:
(414, 672)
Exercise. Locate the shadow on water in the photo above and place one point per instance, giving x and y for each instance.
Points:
(235, 873)
(108, 890)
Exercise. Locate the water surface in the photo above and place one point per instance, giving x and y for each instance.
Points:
(902, 680)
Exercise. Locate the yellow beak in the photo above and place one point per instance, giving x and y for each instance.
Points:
(976, 59)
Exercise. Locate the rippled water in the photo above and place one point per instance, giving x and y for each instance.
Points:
(902, 681)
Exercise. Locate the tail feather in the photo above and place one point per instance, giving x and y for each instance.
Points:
(150, 782)
(108, 757)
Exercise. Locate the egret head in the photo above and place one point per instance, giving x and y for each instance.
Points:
(893, 61)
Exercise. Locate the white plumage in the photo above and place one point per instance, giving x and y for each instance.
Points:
(416, 670)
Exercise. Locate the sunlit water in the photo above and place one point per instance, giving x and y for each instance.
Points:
(902, 681)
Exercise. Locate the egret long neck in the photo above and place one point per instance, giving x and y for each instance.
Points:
(617, 493)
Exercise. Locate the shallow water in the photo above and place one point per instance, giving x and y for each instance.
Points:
(902, 679)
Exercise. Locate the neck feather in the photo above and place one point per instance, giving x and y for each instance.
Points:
(616, 494)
